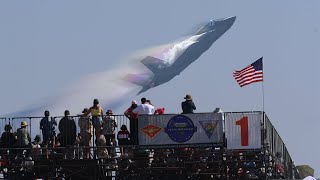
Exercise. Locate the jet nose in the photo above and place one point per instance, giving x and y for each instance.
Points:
(231, 20)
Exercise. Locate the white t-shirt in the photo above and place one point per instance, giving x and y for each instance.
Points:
(144, 109)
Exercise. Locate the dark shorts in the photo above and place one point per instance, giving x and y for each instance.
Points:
(96, 121)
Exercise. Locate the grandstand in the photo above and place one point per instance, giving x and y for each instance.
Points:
(230, 145)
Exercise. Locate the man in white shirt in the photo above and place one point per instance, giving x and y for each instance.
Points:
(144, 108)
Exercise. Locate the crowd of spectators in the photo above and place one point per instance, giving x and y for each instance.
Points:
(99, 129)
(95, 129)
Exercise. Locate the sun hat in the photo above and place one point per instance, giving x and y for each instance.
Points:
(24, 123)
(85, 110)
(188, 97)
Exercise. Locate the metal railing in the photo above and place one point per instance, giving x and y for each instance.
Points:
(276, 149)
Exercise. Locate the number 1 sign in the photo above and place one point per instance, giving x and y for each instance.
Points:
(243, 131)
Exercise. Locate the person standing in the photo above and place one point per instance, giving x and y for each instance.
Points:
(108, 128)
(47, 127)
(96, 112)
(133, 117)
(85, 126)
(188, 106)
(68, 130)
(144, 108)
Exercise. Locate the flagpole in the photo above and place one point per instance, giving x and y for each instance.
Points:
(262, 86)
(262, 96)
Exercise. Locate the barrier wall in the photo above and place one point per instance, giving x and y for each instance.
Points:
(181, 129)
(243, 130)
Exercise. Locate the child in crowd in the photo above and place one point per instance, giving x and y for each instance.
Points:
(123, 137)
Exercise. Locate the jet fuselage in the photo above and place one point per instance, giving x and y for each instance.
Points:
(203, 40)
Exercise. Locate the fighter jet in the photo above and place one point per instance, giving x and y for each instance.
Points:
(180, 55)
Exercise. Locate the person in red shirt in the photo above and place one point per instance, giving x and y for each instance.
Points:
(159, 111)
(133, 117)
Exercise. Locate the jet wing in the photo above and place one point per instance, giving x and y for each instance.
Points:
(154, 64)
(138, 79)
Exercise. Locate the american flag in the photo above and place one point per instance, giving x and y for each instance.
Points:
(250, 74)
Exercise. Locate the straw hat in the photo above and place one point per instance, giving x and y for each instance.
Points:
(24, 123)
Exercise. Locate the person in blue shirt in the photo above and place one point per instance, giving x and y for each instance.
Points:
(48, 128)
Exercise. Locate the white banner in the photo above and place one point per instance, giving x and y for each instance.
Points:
(180, 129)
(243, 131)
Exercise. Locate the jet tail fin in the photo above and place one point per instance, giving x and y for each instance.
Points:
(138, 79)
(152, 63)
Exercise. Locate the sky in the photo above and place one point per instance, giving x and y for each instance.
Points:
(53, 49)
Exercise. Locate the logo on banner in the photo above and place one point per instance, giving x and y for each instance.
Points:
(208, 127)
(151, 130)
(180, 128)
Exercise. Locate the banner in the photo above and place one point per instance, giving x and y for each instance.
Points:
(180, 129)
(243, 131)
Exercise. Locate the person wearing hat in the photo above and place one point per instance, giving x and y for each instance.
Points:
(96, 112)
(23, 136)
(85, 126)
(188, 106)
(7, 138)
(108, 127)
(133, 117)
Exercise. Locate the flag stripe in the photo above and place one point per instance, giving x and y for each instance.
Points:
(251, 82)
(253, 78)
(250, 74)
(243, 74)
(240, 79)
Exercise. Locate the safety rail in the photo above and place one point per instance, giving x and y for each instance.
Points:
(265, 157)
(276, 149)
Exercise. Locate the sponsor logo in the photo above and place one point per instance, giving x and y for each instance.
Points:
(180, 128)
(151, 130)
(208, 127)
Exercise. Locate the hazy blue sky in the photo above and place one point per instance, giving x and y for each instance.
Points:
(46, 46)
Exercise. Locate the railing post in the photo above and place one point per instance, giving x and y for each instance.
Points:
(30, 127)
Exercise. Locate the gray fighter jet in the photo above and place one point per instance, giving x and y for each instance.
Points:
(180, 55)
